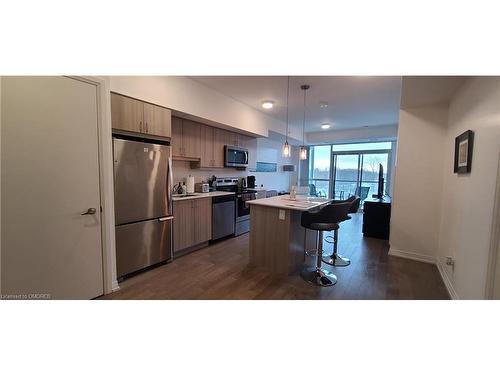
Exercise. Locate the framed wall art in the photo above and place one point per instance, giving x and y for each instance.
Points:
(463, 152)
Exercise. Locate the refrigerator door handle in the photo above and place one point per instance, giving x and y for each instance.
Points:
(165, 218)
(169, 186)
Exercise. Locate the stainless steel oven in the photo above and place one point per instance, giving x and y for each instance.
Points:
(235, 156)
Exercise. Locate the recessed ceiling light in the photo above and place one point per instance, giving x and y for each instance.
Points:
(325, 126)
(323, 104)
(267, 104)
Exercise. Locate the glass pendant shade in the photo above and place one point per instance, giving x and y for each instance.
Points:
(303, 153)
(286, 150)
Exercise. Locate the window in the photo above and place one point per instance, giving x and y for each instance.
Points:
(339, 171)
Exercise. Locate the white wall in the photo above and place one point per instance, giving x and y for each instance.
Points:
(269, 151)
(188, 96)
(437, 213)
(418, 180)
(468, 199)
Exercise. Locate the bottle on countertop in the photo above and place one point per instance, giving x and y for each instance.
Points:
(293, 193)
(178, 188)
(184, 188)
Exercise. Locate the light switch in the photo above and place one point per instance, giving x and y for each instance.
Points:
(282, 214)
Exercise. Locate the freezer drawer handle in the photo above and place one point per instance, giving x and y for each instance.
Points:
(161, 219)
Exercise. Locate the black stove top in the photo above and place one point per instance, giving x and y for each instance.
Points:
(232, 184)
(235, 189)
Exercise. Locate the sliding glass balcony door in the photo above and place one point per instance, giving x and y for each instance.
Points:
(346, 175)
(319, 176)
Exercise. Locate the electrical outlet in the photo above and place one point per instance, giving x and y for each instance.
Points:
(450, 261)
(282, 215)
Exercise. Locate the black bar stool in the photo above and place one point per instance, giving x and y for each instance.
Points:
(326, 219)
(335, 259)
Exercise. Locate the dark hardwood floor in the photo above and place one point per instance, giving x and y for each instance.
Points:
(221, 271)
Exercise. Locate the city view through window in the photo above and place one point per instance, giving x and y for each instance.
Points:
(339, 171)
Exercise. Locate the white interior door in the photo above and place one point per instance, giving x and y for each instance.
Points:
(50, 176)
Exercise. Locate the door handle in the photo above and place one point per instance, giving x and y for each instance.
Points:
(90, 211)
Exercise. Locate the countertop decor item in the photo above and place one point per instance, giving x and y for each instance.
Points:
(190, 184)
(463, 152)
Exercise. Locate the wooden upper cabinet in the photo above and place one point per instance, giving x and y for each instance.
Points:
(157, 120)
(207, 146)
(126, 113)
(176, 142)
(191, 139)
(186, 139)
(202, 144)
(221, 138)
(136, 116)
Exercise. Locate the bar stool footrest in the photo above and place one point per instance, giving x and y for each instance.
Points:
(336, 260)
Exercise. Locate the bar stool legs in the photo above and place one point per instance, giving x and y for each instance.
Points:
(317, 275)
(336, 259)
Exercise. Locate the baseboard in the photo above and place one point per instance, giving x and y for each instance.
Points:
(446, 280)
(115, 286)
(427, 259)
(412, 255)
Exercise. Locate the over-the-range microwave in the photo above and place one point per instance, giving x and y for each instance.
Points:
(235, 156)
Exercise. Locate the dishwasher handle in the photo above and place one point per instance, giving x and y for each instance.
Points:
(222, 199)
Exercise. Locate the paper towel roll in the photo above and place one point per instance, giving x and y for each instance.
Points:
(190, 184)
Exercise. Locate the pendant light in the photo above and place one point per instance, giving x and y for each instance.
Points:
(286, 146)
(303, 148)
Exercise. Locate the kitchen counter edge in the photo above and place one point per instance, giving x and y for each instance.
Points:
(202, 195)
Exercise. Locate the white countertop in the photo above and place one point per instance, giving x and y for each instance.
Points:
(176, 197)
(302, 203)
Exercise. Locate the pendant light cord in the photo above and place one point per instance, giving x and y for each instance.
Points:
(304, 120)
(287, 95)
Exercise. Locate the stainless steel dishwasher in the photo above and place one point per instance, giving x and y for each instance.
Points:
(223, 211)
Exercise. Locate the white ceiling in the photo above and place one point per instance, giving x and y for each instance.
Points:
(353, 101)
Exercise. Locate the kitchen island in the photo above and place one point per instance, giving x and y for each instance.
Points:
(277, 239)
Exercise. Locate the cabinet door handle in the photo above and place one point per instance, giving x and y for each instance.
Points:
(140, 126)
(146, 127)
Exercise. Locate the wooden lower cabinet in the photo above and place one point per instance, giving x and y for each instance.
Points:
(192, 222)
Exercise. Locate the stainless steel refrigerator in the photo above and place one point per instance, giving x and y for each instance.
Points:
(143, 204)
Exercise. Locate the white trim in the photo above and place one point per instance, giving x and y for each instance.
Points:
(106, 182)
(446, 280)
(492, 277)
(412, 255)
(427, 259)
(114, 286)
